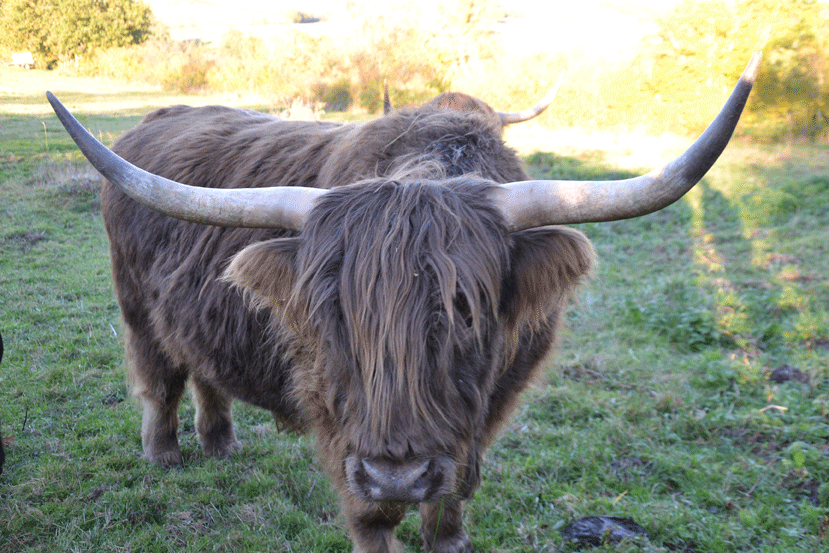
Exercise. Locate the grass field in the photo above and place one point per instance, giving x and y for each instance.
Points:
(659, 406)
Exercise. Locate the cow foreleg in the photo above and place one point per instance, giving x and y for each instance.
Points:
(159, 429)
(160, 389)
(214, 421)
(442, 527)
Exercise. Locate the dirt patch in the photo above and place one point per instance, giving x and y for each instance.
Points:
(803, 488)
(27, 240)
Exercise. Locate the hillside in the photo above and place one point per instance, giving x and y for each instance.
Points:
(607, 28)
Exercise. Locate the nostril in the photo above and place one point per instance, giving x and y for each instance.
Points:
(421, 470)
(428, 473)
(372, 470)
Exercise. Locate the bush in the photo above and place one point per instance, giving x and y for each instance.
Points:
(59, 30)
(291, 66)
(337, 96)
(677, 83)
(191, 77)
(180, 67)
(792, 90)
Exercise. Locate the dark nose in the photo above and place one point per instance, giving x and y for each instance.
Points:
(416, 480)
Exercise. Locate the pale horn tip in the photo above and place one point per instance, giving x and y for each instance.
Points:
(551, 95)
(753, 68)
(51, 97)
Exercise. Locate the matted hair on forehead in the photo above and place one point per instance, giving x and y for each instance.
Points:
(416, 266)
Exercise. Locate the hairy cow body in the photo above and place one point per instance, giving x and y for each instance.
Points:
(479, 340)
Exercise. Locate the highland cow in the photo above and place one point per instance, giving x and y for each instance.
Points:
(392, 286)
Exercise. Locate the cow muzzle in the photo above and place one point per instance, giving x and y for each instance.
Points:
(415, 480)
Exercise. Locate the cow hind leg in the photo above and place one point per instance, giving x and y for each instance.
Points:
(160, 388)
(214, 421)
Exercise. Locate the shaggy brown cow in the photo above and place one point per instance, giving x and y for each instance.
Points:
(398, 314)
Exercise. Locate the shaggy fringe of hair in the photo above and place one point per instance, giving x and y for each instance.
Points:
(393, 276)
(398, 282)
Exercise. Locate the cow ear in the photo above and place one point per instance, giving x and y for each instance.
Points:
(546, 266)
(265, 272)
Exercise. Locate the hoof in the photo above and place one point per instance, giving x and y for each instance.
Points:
(165, 459)
(459, 543)
(225, 449)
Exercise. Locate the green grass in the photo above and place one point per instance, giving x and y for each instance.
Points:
(658, 406)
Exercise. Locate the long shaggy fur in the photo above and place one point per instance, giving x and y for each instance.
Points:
(407, 285)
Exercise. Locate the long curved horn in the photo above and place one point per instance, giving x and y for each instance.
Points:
(536, 110)
(278, 207)
(531, 204)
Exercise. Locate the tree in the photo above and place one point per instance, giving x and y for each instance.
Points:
(792, 91)
(56, 30)
(420, 47)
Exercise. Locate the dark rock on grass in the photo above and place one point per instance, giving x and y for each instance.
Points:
(787, 373)
(597, 530)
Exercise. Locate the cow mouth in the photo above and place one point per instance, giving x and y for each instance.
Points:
(416, 480)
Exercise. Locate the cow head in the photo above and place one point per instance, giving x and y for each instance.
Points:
(407, 301)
